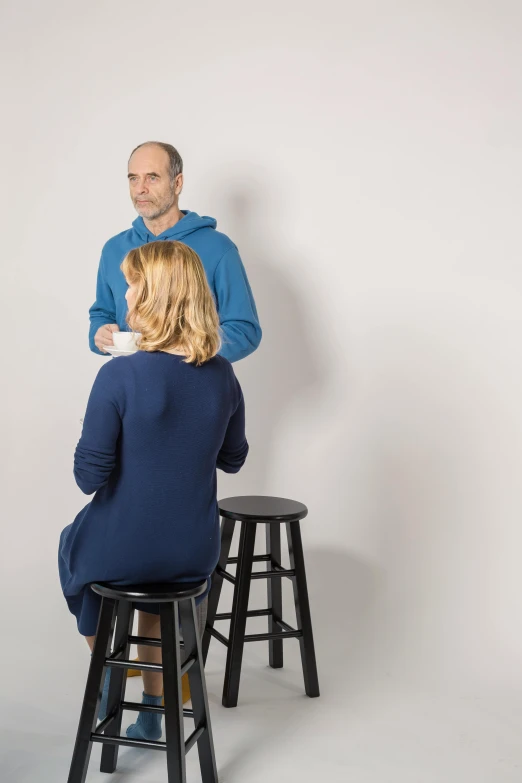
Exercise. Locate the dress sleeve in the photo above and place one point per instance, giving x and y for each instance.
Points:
(95, 456)
(234, 449)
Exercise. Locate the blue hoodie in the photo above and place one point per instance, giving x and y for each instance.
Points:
(241, 332)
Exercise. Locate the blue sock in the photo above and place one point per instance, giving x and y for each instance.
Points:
(148, 725)
(102, 714)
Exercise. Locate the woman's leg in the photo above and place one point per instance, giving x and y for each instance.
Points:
(148, 725)
(102, 714)
(149, 625)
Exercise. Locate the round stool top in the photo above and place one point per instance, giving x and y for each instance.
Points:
(151, 593)
(262, 508)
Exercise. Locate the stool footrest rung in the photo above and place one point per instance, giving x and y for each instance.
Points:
(149, 744)
(106, 722)
(191, 741)
(146, 641)
(125, 664)
(267, 637)
(217, 635)
(225, 575)
(287, 633)
(283, 625)
(188, 664)
(128, 742)
(256, 559)
(277, 573)
(134, 706)
(253, 613)
(148, 667)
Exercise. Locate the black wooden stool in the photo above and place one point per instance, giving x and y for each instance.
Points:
(117, 609)
(272, 512)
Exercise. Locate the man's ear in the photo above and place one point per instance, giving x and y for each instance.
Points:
(178, 184)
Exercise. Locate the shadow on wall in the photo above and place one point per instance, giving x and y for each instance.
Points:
(393, 478)
(286, 366)
(290, 375)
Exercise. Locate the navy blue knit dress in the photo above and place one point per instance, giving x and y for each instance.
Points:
(154, 432)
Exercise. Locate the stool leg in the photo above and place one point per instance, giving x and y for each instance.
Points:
(302, 608)
(275, 595)
(227, 533)
(124, 618)
(170, 650)
(198, 690)
(236, 639)
(93, 688)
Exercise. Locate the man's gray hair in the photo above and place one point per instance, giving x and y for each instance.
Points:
(175, 162)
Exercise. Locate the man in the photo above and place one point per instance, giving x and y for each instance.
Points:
(155, 174)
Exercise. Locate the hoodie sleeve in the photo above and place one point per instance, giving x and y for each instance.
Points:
(103, 310)
(95, 455)
(240, 327)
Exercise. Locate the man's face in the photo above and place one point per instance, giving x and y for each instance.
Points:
(151, 189)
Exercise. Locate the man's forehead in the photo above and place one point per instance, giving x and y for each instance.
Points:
(148, 159)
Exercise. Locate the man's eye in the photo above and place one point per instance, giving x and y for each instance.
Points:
(153, 179)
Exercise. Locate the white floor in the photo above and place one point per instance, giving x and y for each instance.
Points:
(354, 732)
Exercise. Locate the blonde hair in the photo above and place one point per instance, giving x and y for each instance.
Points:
(174, 308)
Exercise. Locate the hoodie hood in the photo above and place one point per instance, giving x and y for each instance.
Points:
(187, 225)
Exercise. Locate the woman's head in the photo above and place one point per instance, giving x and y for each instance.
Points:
(170, 301)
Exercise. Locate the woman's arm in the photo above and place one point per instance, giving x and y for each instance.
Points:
(95, 456)
(234, 450)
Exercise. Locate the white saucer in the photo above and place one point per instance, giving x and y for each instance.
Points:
(117, 352)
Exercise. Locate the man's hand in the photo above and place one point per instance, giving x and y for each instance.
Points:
(103, 336)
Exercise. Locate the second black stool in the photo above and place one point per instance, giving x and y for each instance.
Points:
(177, 602)
(250, 511)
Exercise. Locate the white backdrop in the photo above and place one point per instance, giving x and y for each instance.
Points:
(366, 158)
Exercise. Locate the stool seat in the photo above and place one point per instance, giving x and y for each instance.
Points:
(262, 508)
(151, 593)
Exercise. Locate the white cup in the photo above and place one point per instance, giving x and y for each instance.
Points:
(126, 341)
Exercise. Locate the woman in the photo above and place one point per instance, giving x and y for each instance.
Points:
(157, 425)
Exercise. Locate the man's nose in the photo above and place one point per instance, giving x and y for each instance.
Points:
(142, 187)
